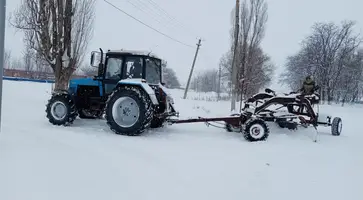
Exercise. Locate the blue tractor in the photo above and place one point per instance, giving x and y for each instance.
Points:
(128, 92)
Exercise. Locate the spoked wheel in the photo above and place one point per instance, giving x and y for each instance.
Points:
(256, 130)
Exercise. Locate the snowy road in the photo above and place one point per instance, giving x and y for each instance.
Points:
(39, 161)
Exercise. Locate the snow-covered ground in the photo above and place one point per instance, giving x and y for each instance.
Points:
(87, 161)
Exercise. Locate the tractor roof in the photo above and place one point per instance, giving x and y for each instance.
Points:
(133, 52)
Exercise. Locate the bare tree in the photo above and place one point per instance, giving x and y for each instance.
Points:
(253, 21)
(170, 77)
(15, 64)
(28, 60)
(205, 81)
(254, 66)
(7, 58)
(59, 31)
(331, 54)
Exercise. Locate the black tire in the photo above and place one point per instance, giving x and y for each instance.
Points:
(336, 126)
(83, 114)
(145, 108)
(256, 124)
(61, 99)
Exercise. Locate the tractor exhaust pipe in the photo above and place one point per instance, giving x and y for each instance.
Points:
(101, 55)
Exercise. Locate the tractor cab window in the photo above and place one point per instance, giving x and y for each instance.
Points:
(133, 67)
(153, 70)
(113, 68)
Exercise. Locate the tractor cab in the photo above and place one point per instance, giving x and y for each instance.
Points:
(114, 66)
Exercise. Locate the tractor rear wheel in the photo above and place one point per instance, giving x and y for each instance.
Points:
(256, 130)
(61, 109)
(129, 111)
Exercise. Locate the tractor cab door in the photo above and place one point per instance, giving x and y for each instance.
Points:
(112, 73)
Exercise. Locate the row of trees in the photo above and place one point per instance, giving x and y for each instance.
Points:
(57, 32)
(27, 62)
(255, 68)
(332, 54)
(170, 79)
(206, 81)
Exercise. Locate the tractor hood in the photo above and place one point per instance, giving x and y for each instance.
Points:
(83, 81)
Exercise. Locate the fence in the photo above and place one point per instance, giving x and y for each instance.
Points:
(26, 79)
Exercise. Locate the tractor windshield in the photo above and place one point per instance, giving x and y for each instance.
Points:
(153, 71)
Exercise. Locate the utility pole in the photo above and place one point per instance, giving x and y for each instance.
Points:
(234, 63)
(2, 48)
(191, 70)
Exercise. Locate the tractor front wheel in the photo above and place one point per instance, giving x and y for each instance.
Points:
(128, 111)
(61, 109)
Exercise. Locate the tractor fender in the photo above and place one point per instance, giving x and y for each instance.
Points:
(63, 92)
(168, 96)
(141, 84)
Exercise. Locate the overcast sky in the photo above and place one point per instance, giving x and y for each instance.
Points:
(289, 21)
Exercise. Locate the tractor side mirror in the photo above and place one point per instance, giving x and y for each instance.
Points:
(95, 59)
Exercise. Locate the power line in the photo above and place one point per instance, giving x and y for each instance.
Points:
(119, 9)
(158, 7)
(155, 10)
(138, 7)
(142, 4)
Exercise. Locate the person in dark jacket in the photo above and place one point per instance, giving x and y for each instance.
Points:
(309, 86)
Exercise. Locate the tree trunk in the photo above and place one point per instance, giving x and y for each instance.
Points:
(323, 94)
(62, 75)
(330, 95)
(61, 83)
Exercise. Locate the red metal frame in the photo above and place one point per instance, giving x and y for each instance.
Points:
(233, 120)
